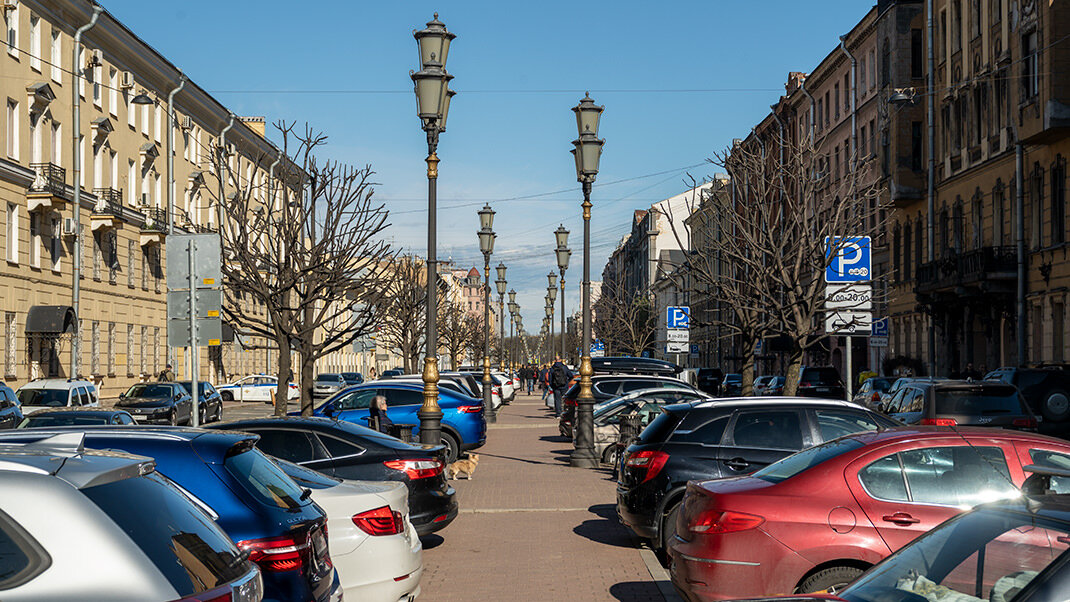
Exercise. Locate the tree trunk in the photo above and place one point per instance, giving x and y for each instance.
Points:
(750, 345)
(308, 365)
(791, 379)
(284, 369)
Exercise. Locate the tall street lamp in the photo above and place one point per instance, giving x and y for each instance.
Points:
(486, 245)
(551, 347)
(587, 152)
(512, 321)
(551, 294)
(501, 284)
(563, 254)
(433, 95)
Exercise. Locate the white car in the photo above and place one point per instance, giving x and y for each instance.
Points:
(51, 393)
(255, 387)
(373, 544)
(508, 390)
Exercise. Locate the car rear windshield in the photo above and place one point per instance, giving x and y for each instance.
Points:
(62, 420)
(661, 427)
(882, 384)
(808, 458)
(149, 390)
(820, 375)
(264, 480)
(49, 398)
(329, 378)
(978, 401)
(182, 542)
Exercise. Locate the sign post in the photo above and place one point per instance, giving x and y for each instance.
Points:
(677, 330)
(849, 294)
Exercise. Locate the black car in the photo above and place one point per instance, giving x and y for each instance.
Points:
(76, 417)
(732, 386)
(823, 382)
(717, 439)
(634, 365)
(209, 401)
(157, 403)
(10, 410)
(348, 451)
(610, 386)
(709, 380)
(1046, 390)
(353, 378)
(962, 403)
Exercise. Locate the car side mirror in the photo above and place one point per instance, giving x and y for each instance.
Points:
(328, 409)
(122, 395)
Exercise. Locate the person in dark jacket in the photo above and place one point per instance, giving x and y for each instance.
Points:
(560, 377)
(544, 382)
(378, 414)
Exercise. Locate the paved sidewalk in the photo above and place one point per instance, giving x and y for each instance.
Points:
(532, 528)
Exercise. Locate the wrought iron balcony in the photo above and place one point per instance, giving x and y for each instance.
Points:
(48, 178)
(968, 269)
(109, 201)
(155, 220)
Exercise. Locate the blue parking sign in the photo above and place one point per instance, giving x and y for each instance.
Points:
(850, 259)
(678, 316)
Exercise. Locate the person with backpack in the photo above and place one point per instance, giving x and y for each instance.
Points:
(560, 376)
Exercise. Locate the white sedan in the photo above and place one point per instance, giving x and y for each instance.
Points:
(373, 545)
(255, 387)
(508, 390)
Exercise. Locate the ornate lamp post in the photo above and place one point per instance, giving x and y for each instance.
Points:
(563, 254)
(486, 245)
(512, 323)
(431, 84)
(550, 328)
(501, 284)
(551, 296)
(587, 152)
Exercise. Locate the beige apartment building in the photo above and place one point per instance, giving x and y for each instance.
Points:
(122, 220)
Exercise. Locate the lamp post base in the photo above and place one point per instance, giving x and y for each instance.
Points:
(583, 456)
(489, 413)
(430, 414)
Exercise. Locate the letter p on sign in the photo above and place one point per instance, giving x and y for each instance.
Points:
(850, 259)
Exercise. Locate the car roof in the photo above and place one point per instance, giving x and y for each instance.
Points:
(57, 383)
(771, 400)
(66, 457)
(909, 433)
(214, 443)
(78, 410)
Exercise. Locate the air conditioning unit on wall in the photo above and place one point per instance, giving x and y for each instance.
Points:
(127, 82)
(69, 227)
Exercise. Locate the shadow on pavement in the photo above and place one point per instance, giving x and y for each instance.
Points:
(606, 511)
(431, 541)
(635, 591)
(553, 439)
(604, 529)
(524, 460)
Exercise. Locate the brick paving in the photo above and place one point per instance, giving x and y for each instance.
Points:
(532, 528)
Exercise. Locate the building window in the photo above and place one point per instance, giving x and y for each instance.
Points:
(976, 219)
(57, 56)
(130, 244)
(144, 269)
(862, 75)
(1036, 205)
(56, 244)
(144, 346)
(906, 253)
(915, 145)
(11, 26)
(12, 232)
(959, 217)
(56, 150)
(10, 344)
(35, 240)
(975, 18)
(155, 349)
(113, 92)
(956, 26)
(112, 255)
(12, 121)
(98, 254)
(111, 348)
(846, 93)
(129, 349)
(157, 122)
(919, 256)
(1057, 320)
(828, 122)
(917, 55)
(79, 72)
(836, 100)
(862, 142)
(1058, 201)
(95, 74)
(131, 112)
(1030, 66)
(145, 120)
(94, 349)
(998, 210)
(897, 258)
(35, 43)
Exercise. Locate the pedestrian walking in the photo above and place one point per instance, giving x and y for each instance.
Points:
(167, 375)
(544, 382)
(560, 376)
(533, 374)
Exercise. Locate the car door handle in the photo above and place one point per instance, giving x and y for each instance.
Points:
(900, 518)
(737, 464)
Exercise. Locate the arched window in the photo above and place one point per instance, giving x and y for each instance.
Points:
(976, 219)
(999, 210)
(1058, 200)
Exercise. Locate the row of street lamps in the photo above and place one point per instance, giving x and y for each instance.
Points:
(433, 99)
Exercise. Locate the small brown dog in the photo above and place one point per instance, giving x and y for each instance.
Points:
(467, 466)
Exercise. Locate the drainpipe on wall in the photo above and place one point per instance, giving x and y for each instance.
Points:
(171, 153)
(813, 109)
(223, 167)
(930, 200)
(76, 122)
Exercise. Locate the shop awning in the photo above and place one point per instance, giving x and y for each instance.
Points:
(50, 319)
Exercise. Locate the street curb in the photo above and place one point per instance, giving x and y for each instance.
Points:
(657, 572)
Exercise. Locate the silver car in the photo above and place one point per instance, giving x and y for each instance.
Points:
(80, 524)
(645, 403)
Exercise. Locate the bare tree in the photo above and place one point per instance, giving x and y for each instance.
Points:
(403, 306)
(456, 330)
(626, 321)
(303, 253)
(762, 240)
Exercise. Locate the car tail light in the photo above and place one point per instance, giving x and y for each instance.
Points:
(471, 409)
(1025, 422)
(716, 521)
(380, 521)
(650, 461)
(421, 468)
(275, 554)
(938, 422)
(875, 398)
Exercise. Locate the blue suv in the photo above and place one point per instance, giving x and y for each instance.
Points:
(463, 425)
(262, 510)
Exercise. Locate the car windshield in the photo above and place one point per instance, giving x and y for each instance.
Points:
(49, 398)
(329, 379)
(820, 375)
(38, 421)
(733, 378)
(264, 480)
(806, 459)
(978, 401)
(181, 540)
(881, 384)
(149, 390)
(987, 554)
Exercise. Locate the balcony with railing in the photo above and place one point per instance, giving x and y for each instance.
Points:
(108, 211)
(48, 189)
(154, 229)
(964, 271)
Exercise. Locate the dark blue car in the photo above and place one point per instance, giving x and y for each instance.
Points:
(463, 425)
(262, 510)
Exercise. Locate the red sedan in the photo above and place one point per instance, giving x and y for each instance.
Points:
(816, 520)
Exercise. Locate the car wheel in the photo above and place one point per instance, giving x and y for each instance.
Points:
(226, 396)
(218, 413)
(668, 525)
(830, 580)
(172, 419)
(609, 454)
(1056, 406)
(453, 449)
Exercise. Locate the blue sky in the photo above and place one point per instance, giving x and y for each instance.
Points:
(679, 80)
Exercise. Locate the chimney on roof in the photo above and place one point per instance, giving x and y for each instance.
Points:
(256, 124)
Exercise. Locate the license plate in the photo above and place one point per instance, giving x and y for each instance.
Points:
(319, 544)
(823, 389)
